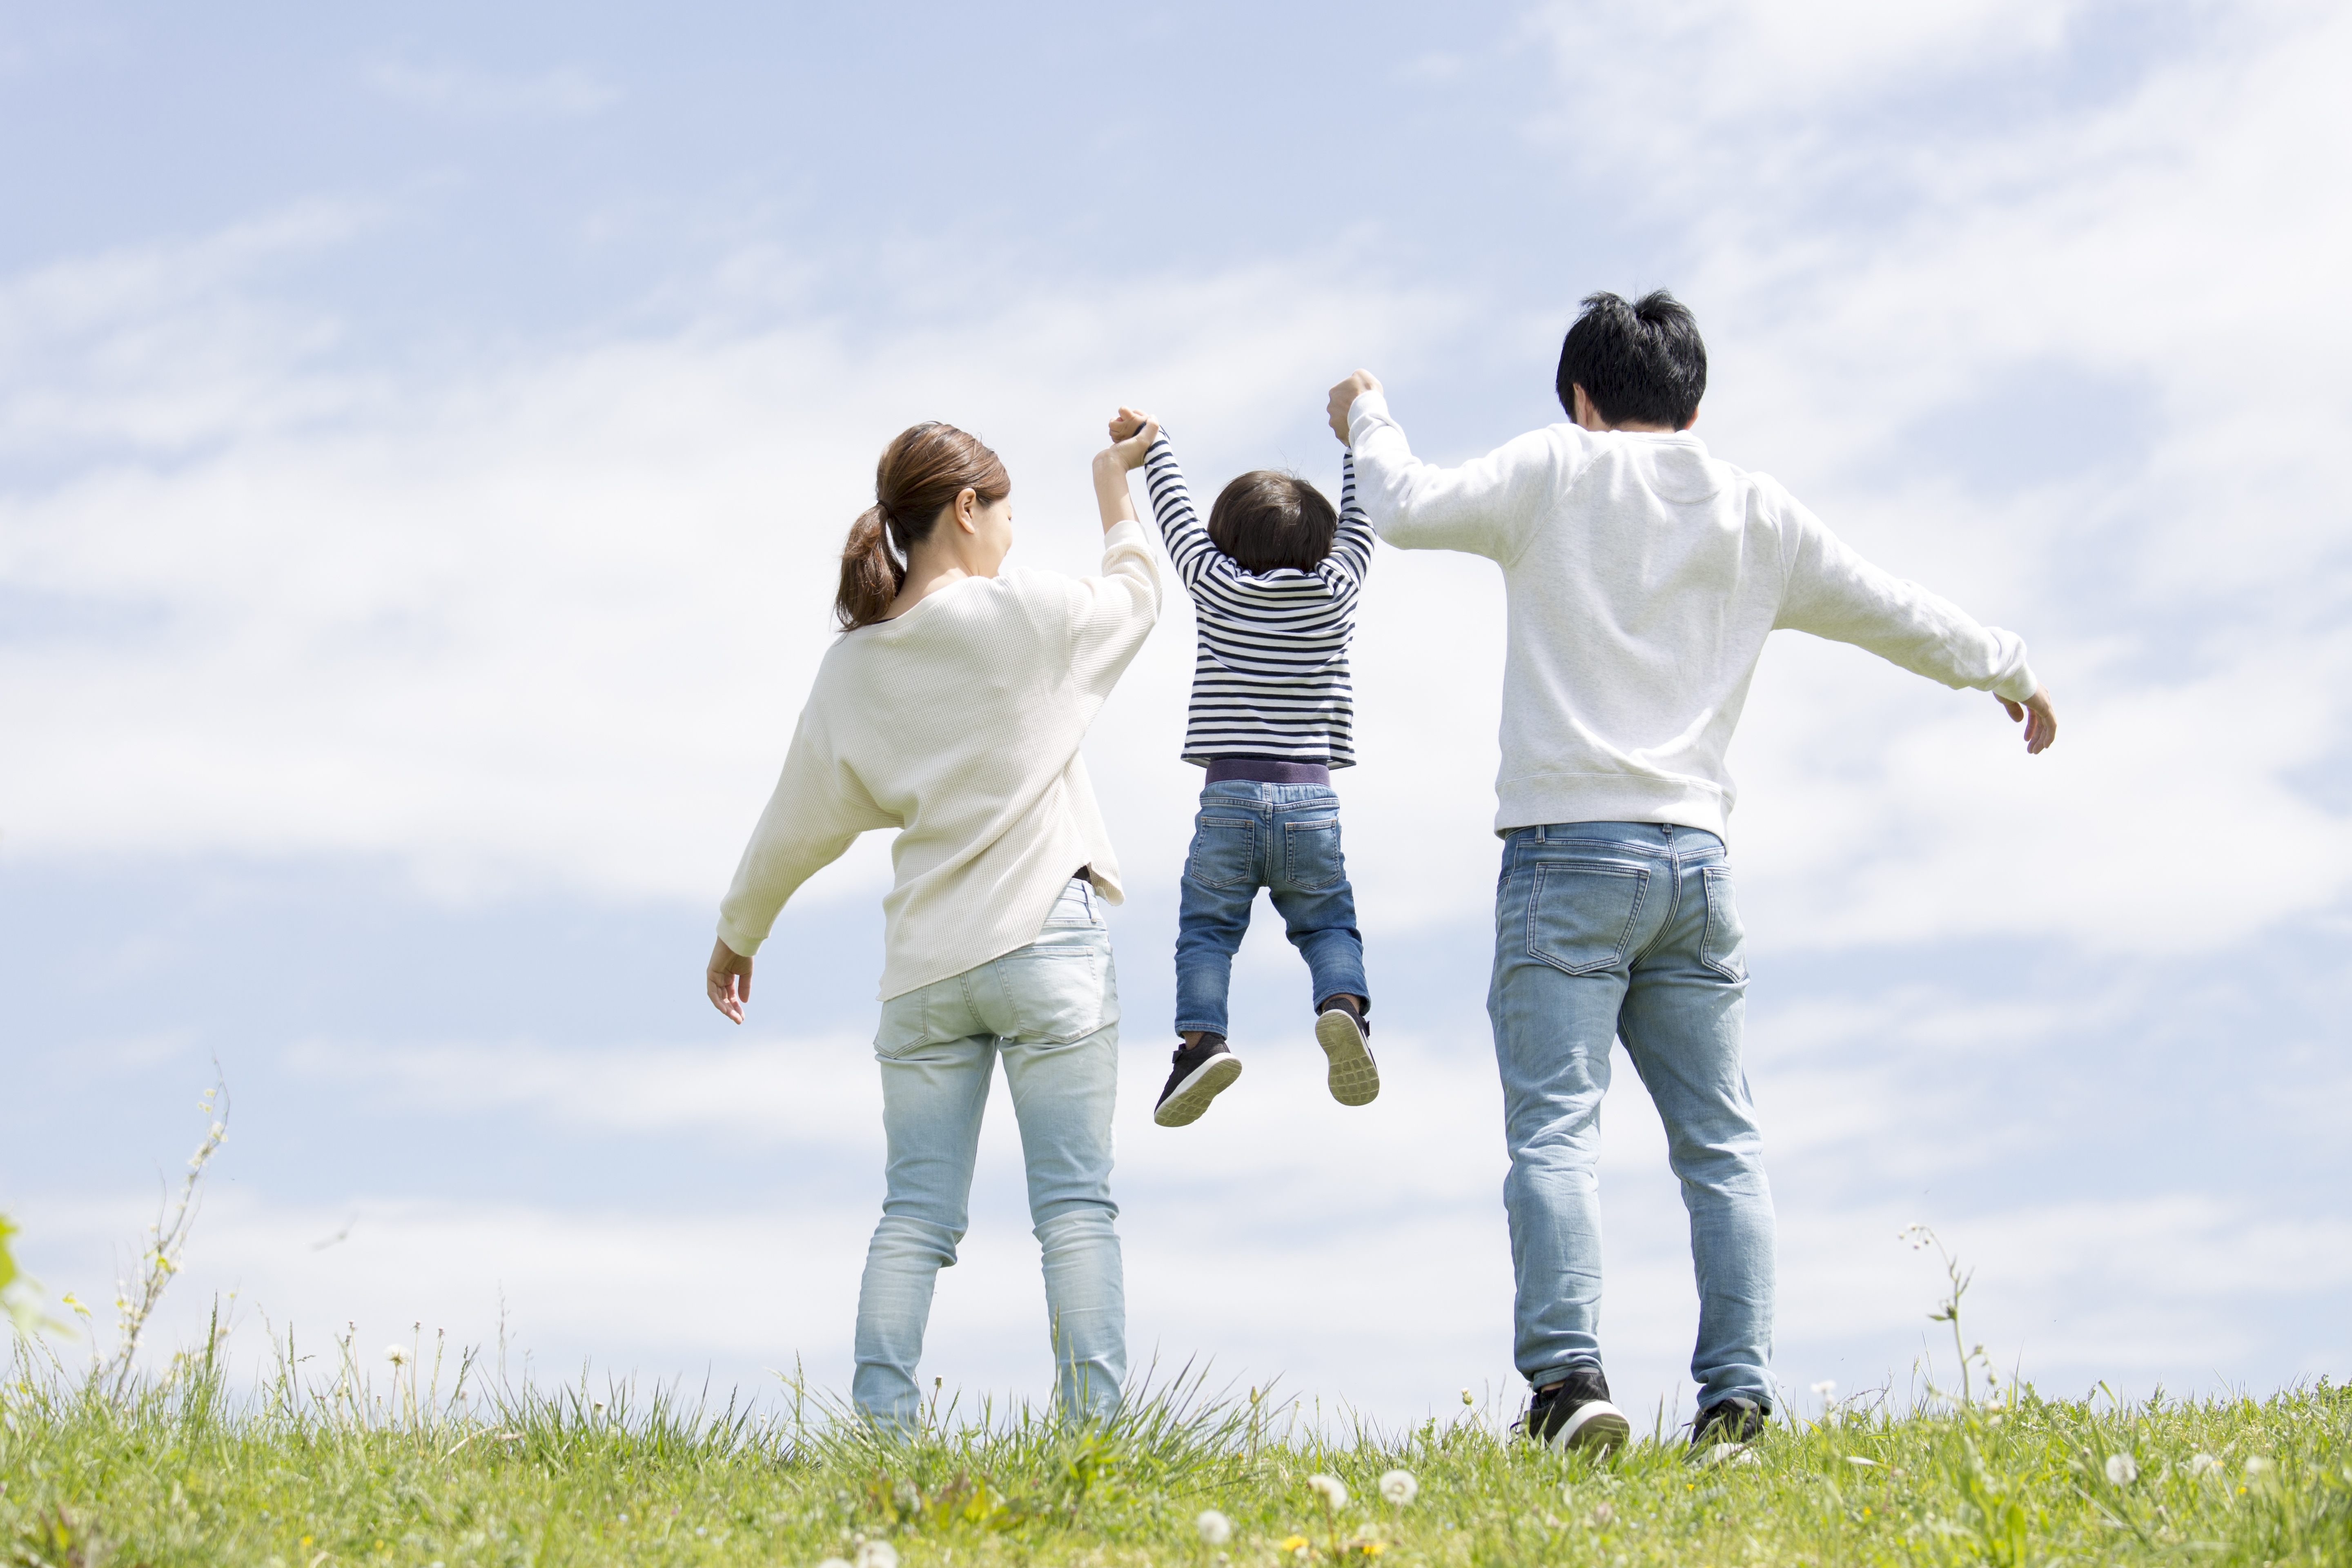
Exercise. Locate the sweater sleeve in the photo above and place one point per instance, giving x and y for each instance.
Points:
(818, 810)
(1188, 545)
(1489, 507)
(1832, 592)
(1111, 615)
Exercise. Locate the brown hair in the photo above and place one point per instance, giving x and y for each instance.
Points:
(1266, 520)
(919, 475)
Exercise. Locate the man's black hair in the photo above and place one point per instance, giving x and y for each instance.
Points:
(1640, 364)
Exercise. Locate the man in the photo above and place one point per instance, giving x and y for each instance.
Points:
(1642, 577)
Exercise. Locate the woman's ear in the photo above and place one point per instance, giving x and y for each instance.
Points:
(967, 509)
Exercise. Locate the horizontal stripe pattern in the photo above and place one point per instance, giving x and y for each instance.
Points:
(1270, 670)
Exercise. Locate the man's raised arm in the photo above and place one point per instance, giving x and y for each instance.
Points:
(1488, 507)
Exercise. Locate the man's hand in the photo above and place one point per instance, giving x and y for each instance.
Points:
(1343, 397)
(1132, 431)
(728, 980)
(2041, 727)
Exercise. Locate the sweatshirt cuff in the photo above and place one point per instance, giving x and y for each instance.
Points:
(1369, 407)
(1127, 531)
(738, 944)
(2020, 684)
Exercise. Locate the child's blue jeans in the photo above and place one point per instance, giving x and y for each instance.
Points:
(1283, 838)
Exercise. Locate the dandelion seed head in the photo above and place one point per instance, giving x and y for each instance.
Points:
(2121, 1470)
(396, 1354)
(2203, 1465)
(835, 1562)
(876, 1555)
(1330, 1489)
(1399, 1487)
(2256, 1465)
(1214, 1527)
(1825, 1389)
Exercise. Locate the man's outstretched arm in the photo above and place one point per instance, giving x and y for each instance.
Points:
(1485, 507)
(1832, 592)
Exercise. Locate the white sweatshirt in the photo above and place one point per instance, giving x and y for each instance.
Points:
(957, 723)
(1642, 577)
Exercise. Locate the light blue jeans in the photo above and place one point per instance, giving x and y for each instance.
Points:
(1051, 1010)
(1283, 838)
(1628, 929)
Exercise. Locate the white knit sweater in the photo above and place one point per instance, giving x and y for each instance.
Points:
(957, 723)
(1642, 577)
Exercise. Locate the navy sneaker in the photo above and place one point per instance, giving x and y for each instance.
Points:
(1728, 1424)
(1576, 1415)
(1202, 1072)
(1340, 1030)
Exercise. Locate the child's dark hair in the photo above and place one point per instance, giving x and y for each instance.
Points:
(1640, 364)
(1268, 521)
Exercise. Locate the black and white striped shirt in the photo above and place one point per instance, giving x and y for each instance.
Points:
(1270, 677)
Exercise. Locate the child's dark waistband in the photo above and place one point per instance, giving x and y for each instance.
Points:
(1264, 770)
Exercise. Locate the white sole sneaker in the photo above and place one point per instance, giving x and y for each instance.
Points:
(1355, 1078)
(1596, 1427)
(1183, 1104)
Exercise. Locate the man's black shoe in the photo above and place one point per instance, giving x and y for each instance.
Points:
(1576, 1413)
(1202, 1072)
(1735, 1421)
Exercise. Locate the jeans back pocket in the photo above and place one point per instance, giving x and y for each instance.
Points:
(1581, 913)
(1224, 852)
(1311, 860)
(1057, 989)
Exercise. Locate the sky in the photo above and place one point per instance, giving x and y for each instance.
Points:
(424, 442)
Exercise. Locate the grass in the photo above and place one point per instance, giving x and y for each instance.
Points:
(304, 1476)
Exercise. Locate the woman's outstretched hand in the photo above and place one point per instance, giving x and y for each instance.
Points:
(1132, 431)
(728, 980)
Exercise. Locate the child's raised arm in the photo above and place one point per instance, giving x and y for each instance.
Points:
(1131, 431)
(1172, 507)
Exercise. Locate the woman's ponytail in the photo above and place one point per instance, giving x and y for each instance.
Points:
(919, 475)
(871, 573)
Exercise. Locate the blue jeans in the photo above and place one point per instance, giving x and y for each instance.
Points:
(1286, 839)
(1051, 1010)
(1627, 929)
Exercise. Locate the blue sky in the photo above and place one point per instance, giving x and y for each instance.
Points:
(423, 438)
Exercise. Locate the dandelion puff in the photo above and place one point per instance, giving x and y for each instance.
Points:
(2256, 1465)
(1330, 1489)
(396, 1354)
(1399, 1487)
(877, 1554)
(1214, 1527)
(2121, 1470)
(1825, 1390)
(2204, 1465)
(835, 1562)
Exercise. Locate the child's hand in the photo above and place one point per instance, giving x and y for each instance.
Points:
(1132, 431)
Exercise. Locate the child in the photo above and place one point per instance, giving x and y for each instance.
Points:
(1274, 579)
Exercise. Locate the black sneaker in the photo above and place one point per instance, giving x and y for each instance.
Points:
(1340, 1030)
(1728, 1424)
(1576, 1415)
(1202, 1072)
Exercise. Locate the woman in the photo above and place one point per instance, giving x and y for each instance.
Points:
(951, 709)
